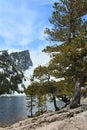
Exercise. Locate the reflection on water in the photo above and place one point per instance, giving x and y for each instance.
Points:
(12, 109)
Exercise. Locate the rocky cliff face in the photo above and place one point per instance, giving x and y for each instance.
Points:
(21, 59)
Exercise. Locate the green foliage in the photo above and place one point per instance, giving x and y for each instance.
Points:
(32, 88)
(31, 103)
(10, 76)
(36, 91)
(66, 20)
(68, 51)
(41, 73)
(68, 59)
(41, 103)
(38, 113)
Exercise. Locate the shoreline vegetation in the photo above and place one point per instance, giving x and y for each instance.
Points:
(64, 119)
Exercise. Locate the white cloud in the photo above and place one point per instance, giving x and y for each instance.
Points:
(16, 25)
(38, 58)
(22, 23)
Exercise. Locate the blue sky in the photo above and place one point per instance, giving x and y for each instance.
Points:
(22, 24)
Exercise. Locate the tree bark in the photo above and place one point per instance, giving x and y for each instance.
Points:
(55, 105)
(77, 94)
(31, 105)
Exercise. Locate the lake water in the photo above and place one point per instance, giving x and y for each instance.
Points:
(13, 109)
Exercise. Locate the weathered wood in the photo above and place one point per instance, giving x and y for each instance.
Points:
(77, 94)
(55, 105)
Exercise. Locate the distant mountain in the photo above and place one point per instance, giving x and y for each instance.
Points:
(21, 59)
(12, 67)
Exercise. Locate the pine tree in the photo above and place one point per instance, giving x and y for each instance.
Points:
(69, 58)
(31, 97)
(31, 102)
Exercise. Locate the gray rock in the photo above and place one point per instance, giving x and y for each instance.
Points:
(21, 59)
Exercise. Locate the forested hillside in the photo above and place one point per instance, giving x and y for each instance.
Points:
(12, 67)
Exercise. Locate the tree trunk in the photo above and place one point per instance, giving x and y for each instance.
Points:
(55, 105)
(77, 94)
(76, 100)
(31, 105)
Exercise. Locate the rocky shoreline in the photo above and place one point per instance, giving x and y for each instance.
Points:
(65, 119)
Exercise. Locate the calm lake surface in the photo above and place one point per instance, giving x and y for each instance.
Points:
(12, 109)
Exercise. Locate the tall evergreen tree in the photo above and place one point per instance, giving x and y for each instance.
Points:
(69, 58)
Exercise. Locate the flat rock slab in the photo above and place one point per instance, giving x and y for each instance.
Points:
(65, 119)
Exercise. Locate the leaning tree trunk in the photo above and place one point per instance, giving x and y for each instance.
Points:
(55, 104)
(77, 93)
